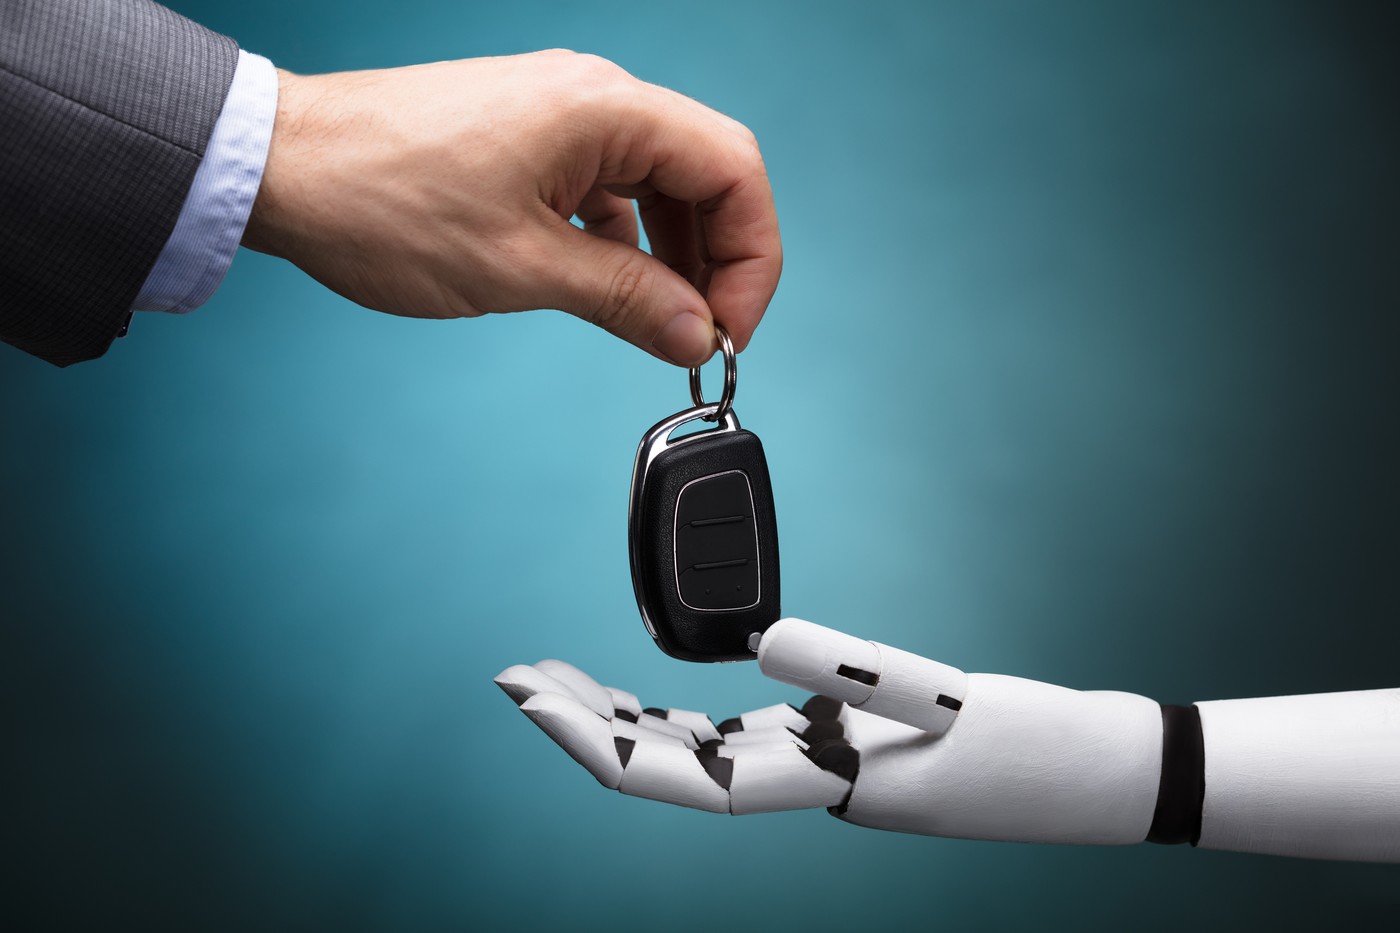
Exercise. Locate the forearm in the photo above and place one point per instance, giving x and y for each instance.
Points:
(109, 107)
(1310, 776)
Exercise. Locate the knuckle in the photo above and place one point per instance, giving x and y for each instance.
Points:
(751, 153)
(623, 297)
(742, 146)
(739, 132)
(586, 84)
(598, 66)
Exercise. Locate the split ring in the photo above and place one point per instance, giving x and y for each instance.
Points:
(731, 378)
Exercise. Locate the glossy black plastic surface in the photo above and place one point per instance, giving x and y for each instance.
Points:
(706, 547)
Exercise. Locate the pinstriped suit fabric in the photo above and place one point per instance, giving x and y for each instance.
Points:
(105, 109)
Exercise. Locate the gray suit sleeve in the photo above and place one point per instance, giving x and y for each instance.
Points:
(105, 109)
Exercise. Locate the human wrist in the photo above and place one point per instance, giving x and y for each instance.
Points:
(271, 223)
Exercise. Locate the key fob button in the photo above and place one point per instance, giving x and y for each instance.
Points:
(716, 543)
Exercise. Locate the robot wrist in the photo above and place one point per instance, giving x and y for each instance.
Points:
(1182, 789)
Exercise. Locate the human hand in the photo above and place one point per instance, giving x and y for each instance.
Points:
(445, 190)
(916, 746)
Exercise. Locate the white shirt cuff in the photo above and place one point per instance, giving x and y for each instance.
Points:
(201, 247)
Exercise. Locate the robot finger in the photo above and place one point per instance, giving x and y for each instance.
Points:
(782, 715)
(750, 776)
(521, 681)
(655, 720)
(588, 691)
(781, 776)
(867, 675)
(700, 725)
(575, 728)
(622, 728)
(669, 774)
(624, 702)
(773, 736)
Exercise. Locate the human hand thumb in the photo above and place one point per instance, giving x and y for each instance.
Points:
(630, 294)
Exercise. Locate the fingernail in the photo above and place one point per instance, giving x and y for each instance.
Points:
(686, 340)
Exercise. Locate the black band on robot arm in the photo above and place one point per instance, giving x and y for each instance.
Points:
(1182, 791)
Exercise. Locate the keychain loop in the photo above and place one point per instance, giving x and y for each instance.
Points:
(731, 378)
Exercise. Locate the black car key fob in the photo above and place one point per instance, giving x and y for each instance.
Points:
(703, 535)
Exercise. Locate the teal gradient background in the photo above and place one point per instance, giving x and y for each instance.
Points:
(1083, 368)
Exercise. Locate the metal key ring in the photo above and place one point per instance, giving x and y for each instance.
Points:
(731, 378)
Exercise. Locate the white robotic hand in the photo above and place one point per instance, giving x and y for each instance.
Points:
(759, 762)
(892, 740)
(898, 742)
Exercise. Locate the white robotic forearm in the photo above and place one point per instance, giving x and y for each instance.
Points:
(899, 742)
(1315, 776)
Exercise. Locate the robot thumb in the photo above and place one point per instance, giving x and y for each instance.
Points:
(869, 676)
